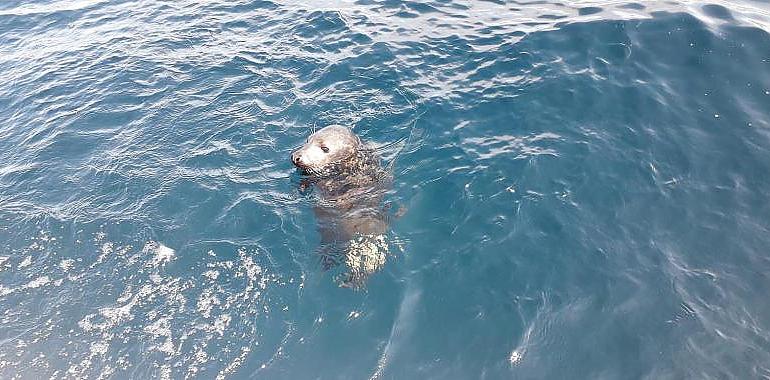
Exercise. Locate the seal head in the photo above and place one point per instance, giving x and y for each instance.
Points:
(326, 149)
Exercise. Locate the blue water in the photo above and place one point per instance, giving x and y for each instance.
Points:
(586, 188)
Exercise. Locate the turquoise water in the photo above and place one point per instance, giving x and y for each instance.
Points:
(586, 189)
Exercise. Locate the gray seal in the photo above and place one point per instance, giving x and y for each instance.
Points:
(351, 183)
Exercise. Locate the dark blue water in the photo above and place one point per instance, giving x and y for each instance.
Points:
(587, 189)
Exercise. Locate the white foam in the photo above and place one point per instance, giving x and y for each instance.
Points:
(38, 282)
(221, 323)
(161, 253)
(27, 261)
(5, 291)
(235, 363)
(187, 322)
(515, 357)
(206, 303)
(211, 274)
(99, 348)
(252, 269)
(162, 329)
(67, 264)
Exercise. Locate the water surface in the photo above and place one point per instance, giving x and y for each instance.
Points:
(587, 189)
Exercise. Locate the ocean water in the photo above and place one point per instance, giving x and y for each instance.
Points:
(586, 185)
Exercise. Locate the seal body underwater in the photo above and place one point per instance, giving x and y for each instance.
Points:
(351, 184)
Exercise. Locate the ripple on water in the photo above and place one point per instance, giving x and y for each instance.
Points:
(574, 175)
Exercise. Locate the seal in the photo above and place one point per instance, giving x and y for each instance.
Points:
(351, 184)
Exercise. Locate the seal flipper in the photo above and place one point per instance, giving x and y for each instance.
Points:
(400, 211)
(328, 258)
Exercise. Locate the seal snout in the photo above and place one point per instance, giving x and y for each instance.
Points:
(296, 159)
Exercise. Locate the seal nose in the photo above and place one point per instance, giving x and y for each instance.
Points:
(296, 158)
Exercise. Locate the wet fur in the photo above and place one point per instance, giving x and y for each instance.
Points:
(350, 202)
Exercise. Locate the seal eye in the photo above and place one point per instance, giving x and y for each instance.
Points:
(325, 148)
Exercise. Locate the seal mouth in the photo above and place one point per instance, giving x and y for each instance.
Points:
(308, 170)
(324, 172)
(301, 166)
